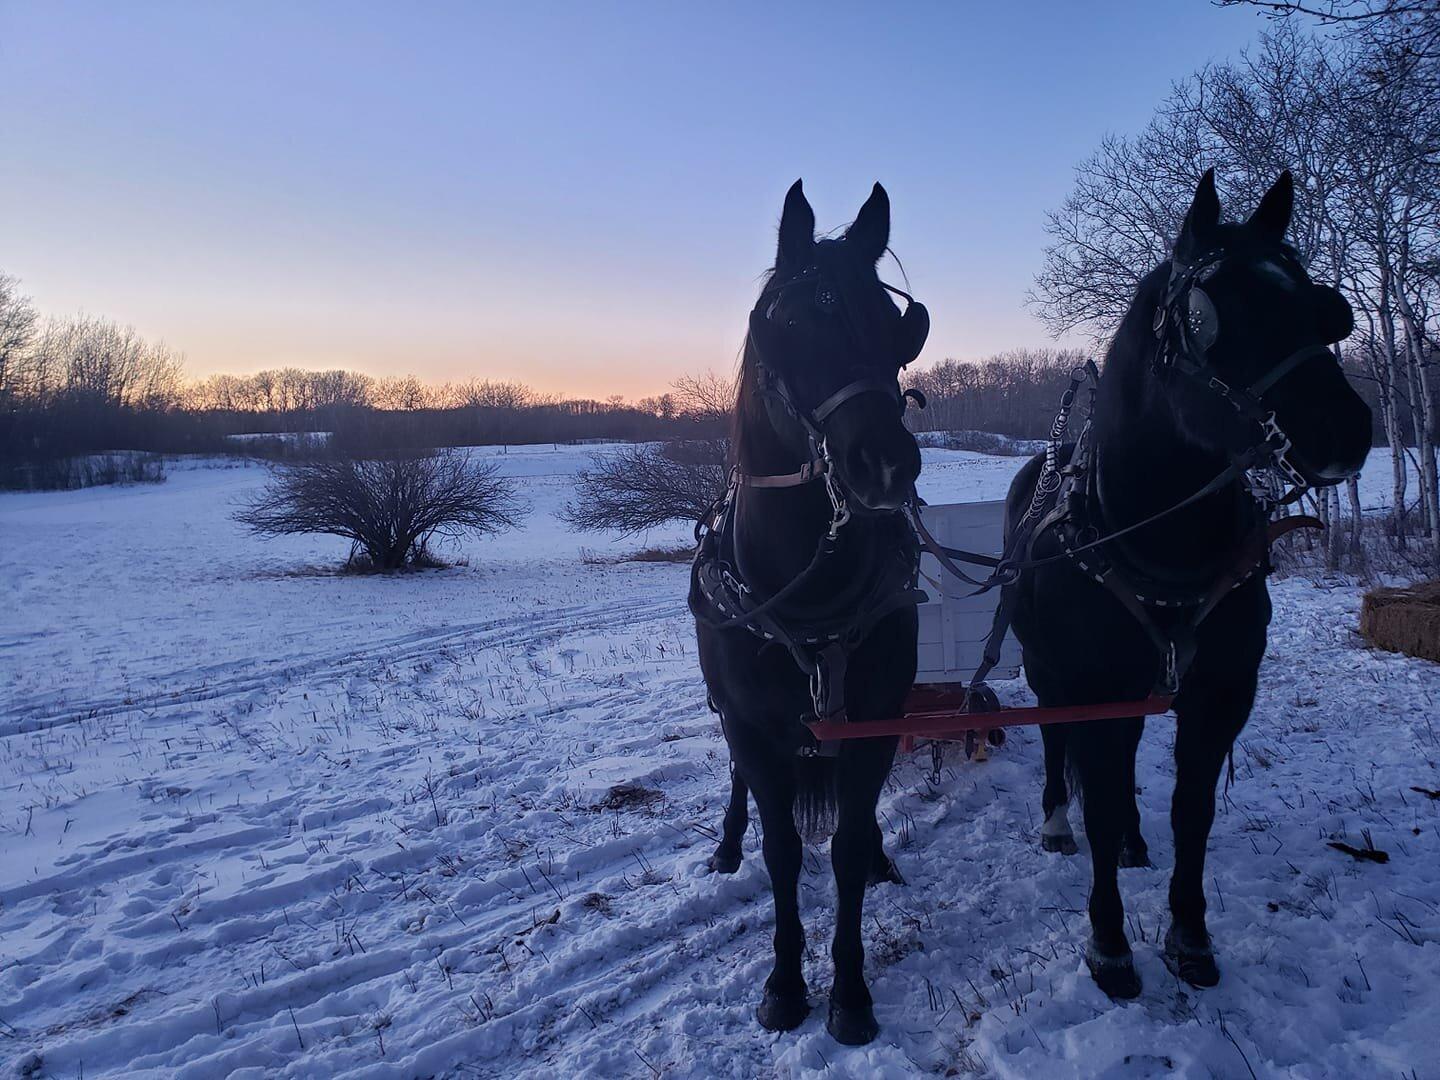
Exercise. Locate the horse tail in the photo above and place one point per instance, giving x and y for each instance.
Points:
(814, 797)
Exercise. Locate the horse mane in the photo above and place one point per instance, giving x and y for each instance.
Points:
(748, 415)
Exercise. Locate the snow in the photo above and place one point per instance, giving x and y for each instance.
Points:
(260, 819)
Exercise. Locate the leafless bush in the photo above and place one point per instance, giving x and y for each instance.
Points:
(640, 487)
(388, 508)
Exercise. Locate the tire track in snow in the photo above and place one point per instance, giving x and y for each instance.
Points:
(37, 715)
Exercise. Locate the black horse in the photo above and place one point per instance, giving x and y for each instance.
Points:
(1218, 369)
(803, 586)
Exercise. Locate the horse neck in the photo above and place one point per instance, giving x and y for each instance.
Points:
(1144, 467)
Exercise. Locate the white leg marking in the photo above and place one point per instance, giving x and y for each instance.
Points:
(1058, 823)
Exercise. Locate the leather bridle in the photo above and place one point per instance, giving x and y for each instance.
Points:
(914, 328)
(1186, 325)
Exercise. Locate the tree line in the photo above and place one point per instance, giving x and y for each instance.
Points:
(85, 386)
(82, 386)
(1355, 116)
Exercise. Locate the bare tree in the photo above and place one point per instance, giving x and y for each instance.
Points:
(1410, 25)
(707, 398)
(650, 484)
(17, 329)
(389, 509)
(402, 394)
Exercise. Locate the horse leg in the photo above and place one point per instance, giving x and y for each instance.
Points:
(882, 867)
(1202, 739)
(726, 859)
(1133, 849)
(1055, 834)
(863, 766)
(771, 779)
(1097, 752)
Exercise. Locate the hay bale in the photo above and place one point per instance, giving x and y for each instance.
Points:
(1405, 620)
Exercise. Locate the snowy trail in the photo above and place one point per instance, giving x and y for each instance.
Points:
(434, 844)
(328, 867)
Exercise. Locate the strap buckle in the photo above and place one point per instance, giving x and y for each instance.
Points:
(839, 508)
(1278, 444)
(1171, 677)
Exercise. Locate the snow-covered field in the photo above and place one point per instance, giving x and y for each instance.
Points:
(262, 820)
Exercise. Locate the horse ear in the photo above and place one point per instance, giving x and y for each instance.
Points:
(1201, 220)
(870, 232)
(1272, 217)
(797, 228)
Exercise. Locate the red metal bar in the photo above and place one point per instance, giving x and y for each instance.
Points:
(933, 712)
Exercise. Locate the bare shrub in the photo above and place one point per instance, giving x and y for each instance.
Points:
(644, 486)
(388, 508)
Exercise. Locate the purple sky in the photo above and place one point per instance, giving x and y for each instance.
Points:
(579, 196)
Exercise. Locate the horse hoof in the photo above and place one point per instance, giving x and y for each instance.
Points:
(1191, 961)
(724, 862)
(1116, 975)
(853, 1026)
(1135, 853)
(782, 1012)
(1063, 844)
(885, 870)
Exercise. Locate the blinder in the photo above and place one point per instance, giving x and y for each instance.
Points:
(914, 327)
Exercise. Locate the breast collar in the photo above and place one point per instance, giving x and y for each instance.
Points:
(1170, 614)
(820, 641)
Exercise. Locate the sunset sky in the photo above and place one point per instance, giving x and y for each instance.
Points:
(578, 196)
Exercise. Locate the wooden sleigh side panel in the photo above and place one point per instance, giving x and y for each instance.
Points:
(953, 624)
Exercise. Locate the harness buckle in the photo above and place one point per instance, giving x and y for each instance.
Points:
(734, 583)
(1279, 445)
(1172, 674)
(839, 508)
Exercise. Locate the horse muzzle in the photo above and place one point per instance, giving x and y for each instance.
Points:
(882, 478)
